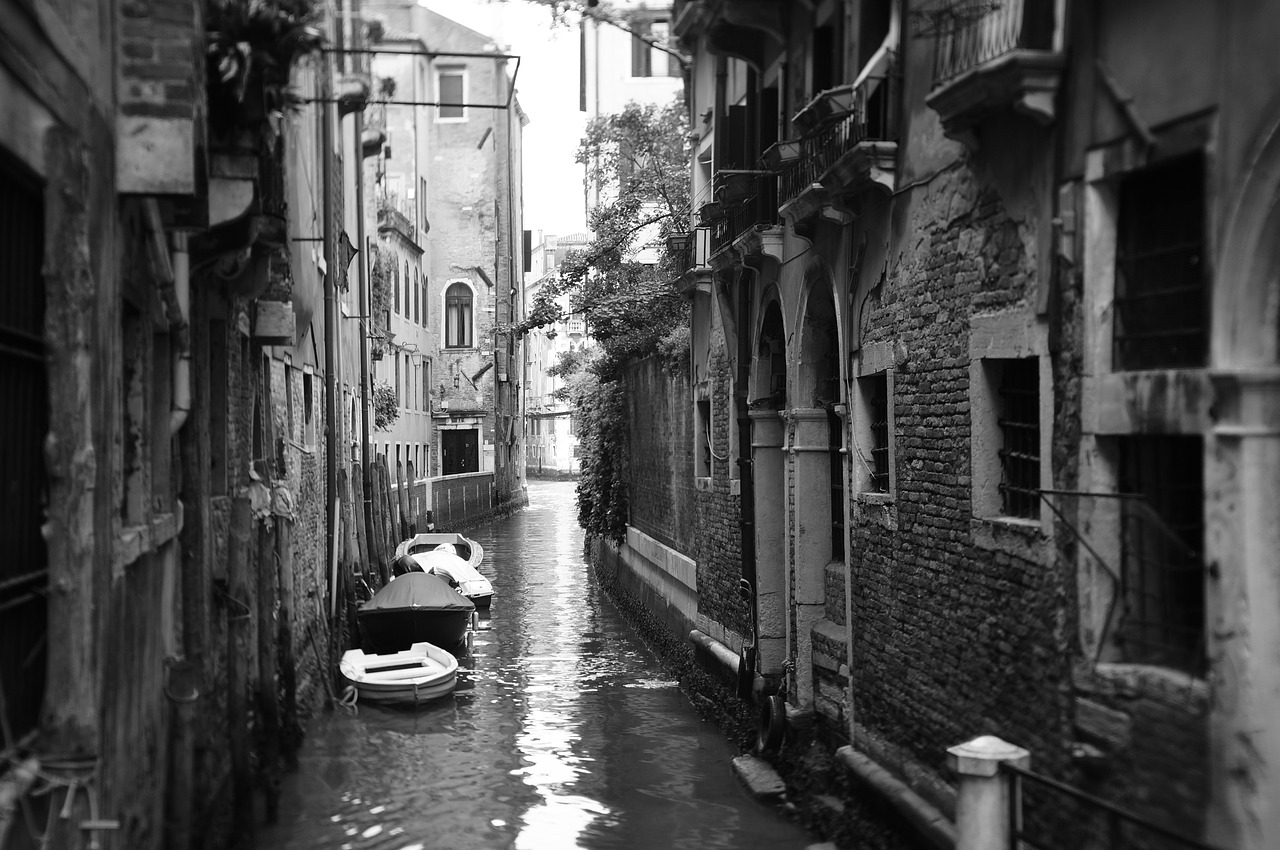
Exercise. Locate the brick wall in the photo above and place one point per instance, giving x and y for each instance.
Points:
(662, 489)
(952, 640)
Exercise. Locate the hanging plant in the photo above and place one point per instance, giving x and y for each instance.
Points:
(252, 48)
(386, 407)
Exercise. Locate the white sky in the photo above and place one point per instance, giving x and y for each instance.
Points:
(547, 87)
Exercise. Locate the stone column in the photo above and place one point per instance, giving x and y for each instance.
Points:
(982, 801)
(1242, 549)
(767, 438)
(811, 453)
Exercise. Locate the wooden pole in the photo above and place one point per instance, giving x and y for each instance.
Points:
(363, 556)
(238, 655)
(291, 732)
(268, 699)
(402, 496)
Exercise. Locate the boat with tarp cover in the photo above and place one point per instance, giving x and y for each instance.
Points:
(412, 608)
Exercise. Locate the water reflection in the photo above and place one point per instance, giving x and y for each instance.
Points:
(562, 732)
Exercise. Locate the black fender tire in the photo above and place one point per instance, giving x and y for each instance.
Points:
(746, 672)
(773, 723)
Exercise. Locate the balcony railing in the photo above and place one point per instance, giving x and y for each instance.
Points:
(1002, 28)
(748, 199)
(871, 118)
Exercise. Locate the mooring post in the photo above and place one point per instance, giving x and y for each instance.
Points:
(983, 818)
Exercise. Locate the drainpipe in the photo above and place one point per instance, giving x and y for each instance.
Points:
(174, 270)
(330, 331)
(181, 404)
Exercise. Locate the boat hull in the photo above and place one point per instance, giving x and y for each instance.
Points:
(422, 673)
(392, 631)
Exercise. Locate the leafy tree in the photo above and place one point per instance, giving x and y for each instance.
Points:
(639, 159)
(386, 407)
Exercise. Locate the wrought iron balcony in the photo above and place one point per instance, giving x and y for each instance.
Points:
(1006, 54)
(748, 200)
(852, 149)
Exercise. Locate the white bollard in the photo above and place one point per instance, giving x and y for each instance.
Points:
(982, 801)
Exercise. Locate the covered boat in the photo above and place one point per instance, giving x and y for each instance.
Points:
(464, 547)
(412, 608)
(468, 580)
(418, 674)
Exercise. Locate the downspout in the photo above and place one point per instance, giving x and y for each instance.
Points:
(747, 498)
(181, 404)
(173, 267)
(330, 332)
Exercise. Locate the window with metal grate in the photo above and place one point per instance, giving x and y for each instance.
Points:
(1020, 438)
(1161, 290)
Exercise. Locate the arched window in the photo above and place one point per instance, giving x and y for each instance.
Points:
(457, 316)
(417, 297)
(408, 292)
(396, 290)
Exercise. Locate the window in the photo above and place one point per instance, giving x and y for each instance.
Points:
(1161, 296)
(426, 302)
(395, 288)
(399, 397)
(1020, 438)
(451, 91)
(408, 293)
(308, 410)
(457, 316)
(875, 396)
(1162, 576)
(647, 60)
(1006, 439)
(417, 297)
(702, 467)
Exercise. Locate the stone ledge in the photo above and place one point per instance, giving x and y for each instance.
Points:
(759, 777)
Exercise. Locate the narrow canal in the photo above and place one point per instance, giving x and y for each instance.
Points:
(562, 732)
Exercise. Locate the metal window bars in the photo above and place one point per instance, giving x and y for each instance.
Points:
(878, 404)
(1161, 289)
(1019, 424)
(748, 199)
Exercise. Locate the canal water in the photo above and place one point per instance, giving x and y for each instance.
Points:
(562, 733)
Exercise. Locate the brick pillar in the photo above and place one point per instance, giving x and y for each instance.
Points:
(982, 801)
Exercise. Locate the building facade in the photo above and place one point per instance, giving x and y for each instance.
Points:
(455, 166)
(551, 439)
(169, 347)
(983, 359)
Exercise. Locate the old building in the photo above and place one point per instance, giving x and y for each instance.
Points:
(174, 244)
(455, 168)
(981, 411)
(551, 439)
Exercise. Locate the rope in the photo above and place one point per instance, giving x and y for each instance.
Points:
(349, 698)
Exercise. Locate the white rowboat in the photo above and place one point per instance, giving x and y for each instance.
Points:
(421, 673)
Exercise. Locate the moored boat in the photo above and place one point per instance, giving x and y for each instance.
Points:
(412, 608)
(464, 547)
(460, 574)
(421, 673)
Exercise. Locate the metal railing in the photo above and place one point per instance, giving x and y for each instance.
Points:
(873, 118)
(758, 207)
(997, 28)
(1083, 820)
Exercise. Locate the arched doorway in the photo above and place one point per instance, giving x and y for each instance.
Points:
(767, 400)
